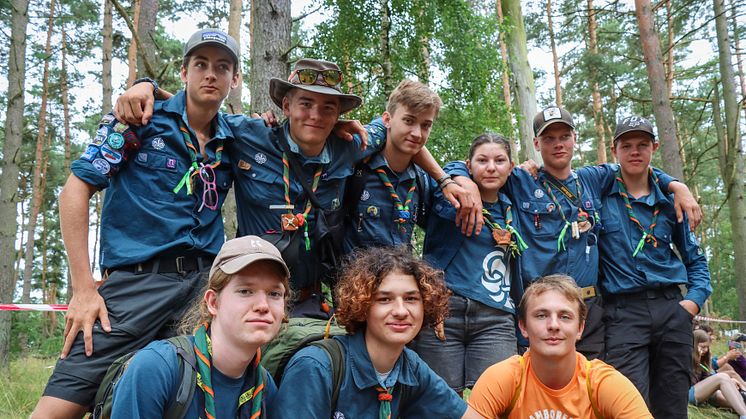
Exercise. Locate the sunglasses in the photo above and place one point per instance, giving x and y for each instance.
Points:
(210, 190)
(309, 76)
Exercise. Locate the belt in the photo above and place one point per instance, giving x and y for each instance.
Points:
(669, 292)
(588, 292)
(179, 264)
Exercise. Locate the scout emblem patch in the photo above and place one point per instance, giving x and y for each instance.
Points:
(158, 143)
(115, 140)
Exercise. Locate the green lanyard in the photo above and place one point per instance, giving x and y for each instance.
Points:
(402, 210)
(517, 245)
(561, 239)
(302, 217)
(194, 168)
(647, 234)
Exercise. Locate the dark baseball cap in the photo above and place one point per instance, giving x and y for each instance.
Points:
(632, 124)
(212, 37)
(549, 116)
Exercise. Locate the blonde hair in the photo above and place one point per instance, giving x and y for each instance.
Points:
(198, 312)
(416, 96)
(563, 284)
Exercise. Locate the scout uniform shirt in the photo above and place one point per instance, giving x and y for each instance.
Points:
(142, 216)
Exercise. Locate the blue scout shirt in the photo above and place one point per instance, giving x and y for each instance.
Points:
(142, 217)
(475, 267)
(542, 223)
(153, 377)
(306, 388)
(258, 170)
(373, 222)
(653, 267)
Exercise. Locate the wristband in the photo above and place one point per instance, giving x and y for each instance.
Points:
(443, 179)
(151, 81)
(445, 183)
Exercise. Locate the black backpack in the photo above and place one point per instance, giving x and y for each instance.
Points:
(178, 407)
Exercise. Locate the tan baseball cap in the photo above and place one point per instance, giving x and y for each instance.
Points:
(241, 252)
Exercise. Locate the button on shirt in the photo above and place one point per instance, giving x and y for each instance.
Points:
(475, 267)
(142, 217)
(652, 267)
(306, 388)
(373, 221)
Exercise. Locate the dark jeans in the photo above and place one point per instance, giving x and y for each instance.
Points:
(649, 340)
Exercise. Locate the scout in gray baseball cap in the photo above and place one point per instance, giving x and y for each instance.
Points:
(633, 123)
(241, 252)
(551, 115)
(213, 37)
(314, 76)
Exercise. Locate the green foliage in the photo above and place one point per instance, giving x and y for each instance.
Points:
(22, 385)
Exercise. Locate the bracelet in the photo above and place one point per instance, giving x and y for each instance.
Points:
(151, 81)
(443, 179)
(445, 183)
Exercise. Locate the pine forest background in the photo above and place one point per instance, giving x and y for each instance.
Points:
(494, 63)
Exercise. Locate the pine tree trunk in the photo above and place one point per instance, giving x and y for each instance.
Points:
(388, 78)
(132, 51)
(37, 192)
(9, 165)
(503, 57)
(741, 80)
(555, 60)
(659, 90)
(598, 114)
(271, 23)
(423, 28)
(733, 175)
(65, 102)
(233, 102)
(107, 47)
(523, 79)
(146, 31)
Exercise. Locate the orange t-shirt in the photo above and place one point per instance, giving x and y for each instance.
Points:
(614, 395)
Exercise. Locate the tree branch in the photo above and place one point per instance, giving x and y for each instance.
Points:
(138, 44)
(305, 15)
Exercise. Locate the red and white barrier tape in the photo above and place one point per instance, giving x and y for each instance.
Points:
(33, 307)
(710, 319)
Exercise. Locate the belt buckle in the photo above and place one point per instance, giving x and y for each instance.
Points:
(588, 292)
(180, 266)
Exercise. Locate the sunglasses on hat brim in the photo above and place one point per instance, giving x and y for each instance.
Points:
(310, 76)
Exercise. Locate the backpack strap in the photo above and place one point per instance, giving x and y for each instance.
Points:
(589, 386)
(334, 349)
(188, 384)
(519, 388)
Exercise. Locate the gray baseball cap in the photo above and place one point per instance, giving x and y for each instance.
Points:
(631, 124)
(212, 37)
(241, 252)
(551, 115)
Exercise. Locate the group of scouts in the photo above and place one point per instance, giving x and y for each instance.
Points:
(514, 260)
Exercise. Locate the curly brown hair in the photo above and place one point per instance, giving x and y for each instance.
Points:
(362, 275)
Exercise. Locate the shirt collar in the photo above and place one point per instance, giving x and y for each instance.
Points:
(656, 195)
(363, 373)
(322, 158)
(378, 160)
(176, 104)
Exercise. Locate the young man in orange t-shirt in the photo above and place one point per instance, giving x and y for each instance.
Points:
(552, 379)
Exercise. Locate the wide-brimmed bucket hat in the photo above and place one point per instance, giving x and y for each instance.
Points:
(314, 76)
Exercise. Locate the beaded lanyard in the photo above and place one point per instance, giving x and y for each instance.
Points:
(517, 245)
(402, 210)
(561, 239)
(194, 168)
(647, 235)
(300, 217)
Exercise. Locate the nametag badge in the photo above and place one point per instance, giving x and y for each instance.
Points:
(282, 207)
(502, 237)
(575, 230)
(289, 222)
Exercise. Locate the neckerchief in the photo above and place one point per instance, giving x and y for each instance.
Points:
(302, 217)
(517, 244)
(384, 397)
(249, 393)
(647, 235)
(402, 210)
(561, 238)
(187, 179)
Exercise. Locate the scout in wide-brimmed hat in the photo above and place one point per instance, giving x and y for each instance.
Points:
(314, 76)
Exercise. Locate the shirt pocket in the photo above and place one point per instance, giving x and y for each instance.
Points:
(157, 174)
(265, 187)
(551, 224)
(332, 186)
